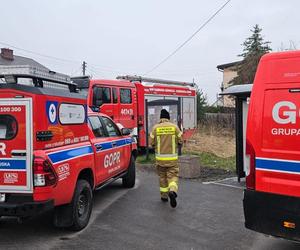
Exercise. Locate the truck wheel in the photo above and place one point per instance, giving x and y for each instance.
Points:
(128, 181)
(82, 204)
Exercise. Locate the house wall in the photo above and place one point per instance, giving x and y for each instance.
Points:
(228, 75)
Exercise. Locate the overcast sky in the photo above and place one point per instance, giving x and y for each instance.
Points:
(132, 36)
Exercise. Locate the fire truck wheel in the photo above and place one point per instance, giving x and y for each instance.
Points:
(128, 180)
(82, 205)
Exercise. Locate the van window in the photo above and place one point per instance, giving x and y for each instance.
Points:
(125, 95)
(115, 95)
(111, 128)
(96, 126)
(8, 127)
(101, 95)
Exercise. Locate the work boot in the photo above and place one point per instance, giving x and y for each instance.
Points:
(164, 199)
(173, 197)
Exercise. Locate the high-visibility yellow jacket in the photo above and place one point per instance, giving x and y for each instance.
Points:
(165, 137)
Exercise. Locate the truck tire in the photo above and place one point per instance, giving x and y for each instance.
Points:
(128, 181)
(69, 216)
(82, 205)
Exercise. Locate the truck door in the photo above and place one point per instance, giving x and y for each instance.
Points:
(278, 163)
(128, 109)
(102, 99)
(116, 158)
(16, 146)
(98, 139)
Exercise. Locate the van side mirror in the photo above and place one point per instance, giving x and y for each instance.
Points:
(125, 131)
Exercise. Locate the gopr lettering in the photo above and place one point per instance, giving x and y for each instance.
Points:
(289, 112)
(112, 159)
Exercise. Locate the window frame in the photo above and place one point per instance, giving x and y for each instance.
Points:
(130, 90)
(94, 99)
(104, 128)
(114, 125)
(17, 127)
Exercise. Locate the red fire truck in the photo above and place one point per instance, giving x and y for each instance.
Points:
(53, 151)
(272, 196)
(135, 102)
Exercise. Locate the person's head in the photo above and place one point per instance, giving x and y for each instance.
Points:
(164, 114)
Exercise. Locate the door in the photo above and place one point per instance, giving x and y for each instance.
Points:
(98, 139)
(128, 109)
(278, 160)
(16, 146)
(102, 99)
(155, 107)
(117, 156)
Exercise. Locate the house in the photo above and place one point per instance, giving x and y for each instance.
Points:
(7, 57)
(229, 71)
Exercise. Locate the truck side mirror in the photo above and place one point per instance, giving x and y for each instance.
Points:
(125, 131)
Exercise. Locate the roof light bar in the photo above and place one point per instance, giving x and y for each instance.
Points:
(27, 71)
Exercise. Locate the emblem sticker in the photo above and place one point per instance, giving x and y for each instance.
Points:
(51, 109)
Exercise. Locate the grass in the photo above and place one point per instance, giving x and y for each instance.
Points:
(142, 159)
(214, 145)
(214, 161)
(206, 159)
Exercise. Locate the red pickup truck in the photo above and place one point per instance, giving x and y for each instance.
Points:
(53, 151)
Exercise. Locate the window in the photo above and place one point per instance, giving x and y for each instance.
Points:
(8, 127)
(115, 95)
(111, 128)
(96, 126)
(101, 95)
(125, 95)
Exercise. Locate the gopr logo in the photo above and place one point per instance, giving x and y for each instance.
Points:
(288, 110)
(112, 159)
(51, 109)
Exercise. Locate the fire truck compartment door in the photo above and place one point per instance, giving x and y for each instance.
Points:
(189, 113)
(155, 107)
(16, 146)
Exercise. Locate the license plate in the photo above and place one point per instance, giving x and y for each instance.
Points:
(2, 197)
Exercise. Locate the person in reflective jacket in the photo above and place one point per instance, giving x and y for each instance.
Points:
(165, 138)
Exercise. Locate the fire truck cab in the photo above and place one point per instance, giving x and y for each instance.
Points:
(272, 195)
(135, 102)
(54, 151)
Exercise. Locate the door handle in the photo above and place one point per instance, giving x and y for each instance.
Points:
(114, 144)
(98, 147)
(18, 153)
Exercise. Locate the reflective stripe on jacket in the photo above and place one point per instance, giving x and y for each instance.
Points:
(165, 137)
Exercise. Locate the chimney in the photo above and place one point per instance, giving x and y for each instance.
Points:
(7, 54)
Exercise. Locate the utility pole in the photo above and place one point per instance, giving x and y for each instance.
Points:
(83, 67)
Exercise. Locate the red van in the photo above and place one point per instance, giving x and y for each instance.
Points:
(272, 195)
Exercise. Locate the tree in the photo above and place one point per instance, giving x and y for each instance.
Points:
(201, 104)
(254, 48)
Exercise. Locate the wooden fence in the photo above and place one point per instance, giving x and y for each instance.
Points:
(223, 120)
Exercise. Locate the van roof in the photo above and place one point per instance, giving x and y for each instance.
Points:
(281, 55)
(279, 67)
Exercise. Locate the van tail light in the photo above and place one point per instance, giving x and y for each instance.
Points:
(250, 166)
(44, 174)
